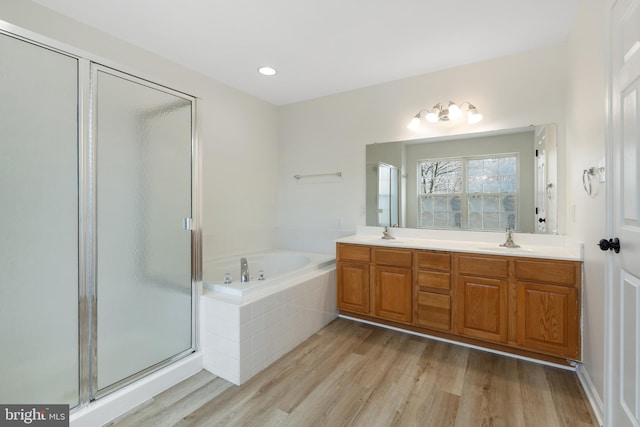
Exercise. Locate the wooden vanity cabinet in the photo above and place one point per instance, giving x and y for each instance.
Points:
(482, 297)
(529, 306)
(432, 306)
(392, 284)
(352, 269)
(548, 306)
(375, 281)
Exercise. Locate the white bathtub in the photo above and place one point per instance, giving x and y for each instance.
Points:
(275, 265)
(244, 327)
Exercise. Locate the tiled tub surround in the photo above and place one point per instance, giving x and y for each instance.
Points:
(242, 335)
(273, 265)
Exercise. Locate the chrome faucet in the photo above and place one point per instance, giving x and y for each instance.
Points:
(386, 234)
(244, 270)
(509, 242)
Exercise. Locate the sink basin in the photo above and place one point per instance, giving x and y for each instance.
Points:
(392, 241)
(503, 248)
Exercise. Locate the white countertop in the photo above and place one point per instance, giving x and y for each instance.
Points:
(531, 245)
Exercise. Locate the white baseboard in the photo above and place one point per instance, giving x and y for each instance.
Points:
(570, 367)
(119, 402)
(592, 394)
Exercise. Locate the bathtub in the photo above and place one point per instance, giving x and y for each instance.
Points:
(275, 266)
(245, 327)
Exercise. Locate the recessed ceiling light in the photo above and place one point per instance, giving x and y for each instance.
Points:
(267, 71)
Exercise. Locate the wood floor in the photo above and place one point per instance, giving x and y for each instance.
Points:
(353, 374)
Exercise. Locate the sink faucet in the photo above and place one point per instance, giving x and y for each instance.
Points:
(386, 234)
(509, 242)
(244, 270)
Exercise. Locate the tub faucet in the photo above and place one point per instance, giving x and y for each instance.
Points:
(244, 270)
(509, 242)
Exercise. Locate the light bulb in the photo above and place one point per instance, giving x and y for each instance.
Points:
(473, 116)
(454, 111)
(414, 124)
(432, 117)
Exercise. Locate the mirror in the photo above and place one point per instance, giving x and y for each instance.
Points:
(477, 182)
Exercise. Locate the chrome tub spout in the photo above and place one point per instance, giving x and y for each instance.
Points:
(244, 270)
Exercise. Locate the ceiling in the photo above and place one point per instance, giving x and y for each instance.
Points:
(322, 47)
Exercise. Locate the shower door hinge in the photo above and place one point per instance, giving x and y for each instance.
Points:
(187, 223)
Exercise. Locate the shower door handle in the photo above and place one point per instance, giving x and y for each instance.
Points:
(187, 224)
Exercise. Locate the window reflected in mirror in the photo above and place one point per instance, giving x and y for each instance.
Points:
(480, 182)
(476, 194)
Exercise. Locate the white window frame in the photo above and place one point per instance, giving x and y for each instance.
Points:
(464, 195)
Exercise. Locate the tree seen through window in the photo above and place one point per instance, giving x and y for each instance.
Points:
(468, 193)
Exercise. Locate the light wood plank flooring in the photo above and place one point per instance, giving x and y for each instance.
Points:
(353, 374)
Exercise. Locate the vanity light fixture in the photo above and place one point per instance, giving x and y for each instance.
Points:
(267, 71)
(452, 111)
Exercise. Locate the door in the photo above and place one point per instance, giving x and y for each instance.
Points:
(482, 308)
(392, 299)
(548, 318)
(353, 287)
(541, 183)
(623, 349)
(38, 224)
(387, 195)
(143, 150)
(545, 194)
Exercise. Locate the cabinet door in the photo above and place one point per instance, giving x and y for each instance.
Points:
(547, 318)
(482, 309)
(353, 287)
(392, 293)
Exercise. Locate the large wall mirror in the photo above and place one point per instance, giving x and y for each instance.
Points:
(477, 182)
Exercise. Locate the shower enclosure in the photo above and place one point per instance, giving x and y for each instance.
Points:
(99, 247)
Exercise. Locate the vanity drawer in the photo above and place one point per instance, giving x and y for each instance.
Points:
(354, 252)
(547, 271)
(477, 265)
(434, 279)
(433, 311)
(393, 257)
(434, 260)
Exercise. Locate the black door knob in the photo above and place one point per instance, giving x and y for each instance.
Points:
(610, 245)
(542, 219)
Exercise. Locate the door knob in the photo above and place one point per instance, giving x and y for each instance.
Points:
(610, 245)
(542, 219)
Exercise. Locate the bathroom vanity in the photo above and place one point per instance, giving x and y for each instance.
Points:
(524, 301)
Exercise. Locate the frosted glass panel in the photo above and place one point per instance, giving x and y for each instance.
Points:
(143, 252)
(38, 225)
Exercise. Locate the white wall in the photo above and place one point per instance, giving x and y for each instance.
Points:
(329, 134)
(237, 131)
(585, 147)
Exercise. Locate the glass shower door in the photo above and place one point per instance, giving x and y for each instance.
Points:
(143, 151)
(38, 225)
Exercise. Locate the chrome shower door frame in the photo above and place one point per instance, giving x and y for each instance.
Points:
(87, 302)
(91, 244)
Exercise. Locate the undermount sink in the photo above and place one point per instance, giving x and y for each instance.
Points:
(503, 248)
(391, 240)
(533, 247)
